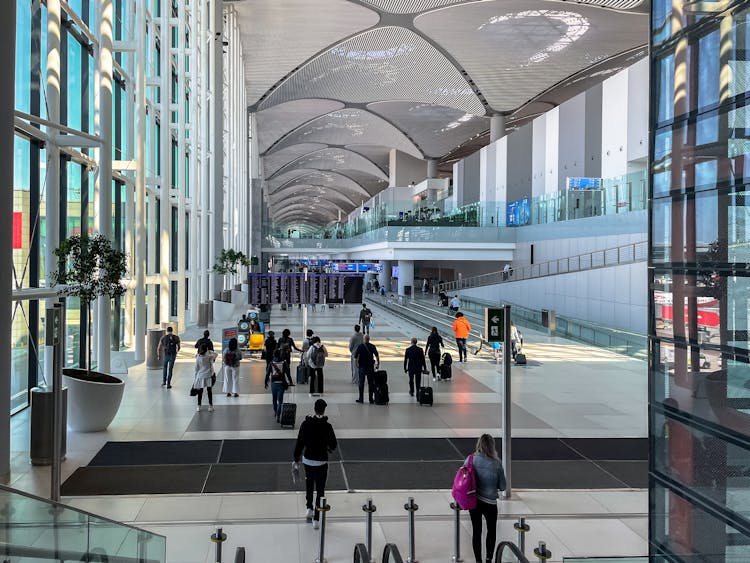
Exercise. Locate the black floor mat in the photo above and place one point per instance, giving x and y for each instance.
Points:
(136, 480)
(401, 474)
(265, 477)
(261, 451)
(610, 448)
(632, 473)
(397, 449)
(525, 449)
(177, 452)
(561, 475)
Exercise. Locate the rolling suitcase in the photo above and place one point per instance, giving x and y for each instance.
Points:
(380, 377)
(288, 416)
(446, 371)
(446, 359)
(520, 359)
(380, 394)
(424, 395)
(301, 374)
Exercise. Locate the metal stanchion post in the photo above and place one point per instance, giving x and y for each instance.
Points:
(369, 508)
(457, 510)
(542, 553)
(521, 527)
(411, 507)
(218, 538)
(323, 509)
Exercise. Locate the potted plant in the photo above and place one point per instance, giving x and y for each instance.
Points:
(90, 267)
(228, 262)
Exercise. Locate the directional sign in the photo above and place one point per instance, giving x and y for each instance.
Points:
(54, 318)
(494, 323)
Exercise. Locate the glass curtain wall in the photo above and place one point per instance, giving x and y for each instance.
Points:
(699, 271)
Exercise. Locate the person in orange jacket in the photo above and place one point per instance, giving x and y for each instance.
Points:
(461, 328)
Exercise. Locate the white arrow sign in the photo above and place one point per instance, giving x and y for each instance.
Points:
(495, 319)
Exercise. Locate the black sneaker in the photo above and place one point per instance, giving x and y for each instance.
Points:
(169, 386)
(359, 401)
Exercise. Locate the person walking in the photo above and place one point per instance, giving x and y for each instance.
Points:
(316, 359)
(316, 439)
(269, 347)
(490, 479)
(354, 341)
(434, 344)
(285, 346)
(280, 381)
(205, 340)
(414, 364)
(204, 375)
(455, 305)
(167, 350)
(231, 359)
(365, 317)
(306, 343)
(461, 328)
(368, 360)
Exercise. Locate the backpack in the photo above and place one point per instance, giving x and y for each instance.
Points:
(447, 359)
(368, 316)
(230, 358)
(464, 489)
(317, 357)
(285, 348)
(171, 345)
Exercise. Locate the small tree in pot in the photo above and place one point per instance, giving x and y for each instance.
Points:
(90, 267)
(228, 262)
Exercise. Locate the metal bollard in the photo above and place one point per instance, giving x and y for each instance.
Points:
(542, 553)
(521, 527)
(218, 538)
(323, 509)
(411, 507)
(457, 510)
(369, 508)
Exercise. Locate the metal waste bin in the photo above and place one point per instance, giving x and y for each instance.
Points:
(203, 315)
(152, 350)
(41, 436)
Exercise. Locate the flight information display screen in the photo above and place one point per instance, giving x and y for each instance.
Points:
(293, 289)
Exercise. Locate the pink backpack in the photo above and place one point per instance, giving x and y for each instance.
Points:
(465, 486)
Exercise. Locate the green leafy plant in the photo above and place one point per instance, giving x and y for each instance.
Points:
(229, 262)
(90, 267)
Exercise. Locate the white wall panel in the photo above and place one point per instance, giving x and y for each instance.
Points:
(501, 169)
(638, 86)
(552, 123)
(539, 155)
(615, 112)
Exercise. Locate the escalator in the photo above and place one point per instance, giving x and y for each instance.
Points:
(506, 552)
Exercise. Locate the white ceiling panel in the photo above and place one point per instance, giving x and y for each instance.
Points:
(351, 126)
(386, 63)
(325, 179)
(514, 49)
(379, 154)
(315, 192)
(436, 129)
(277, 121)
(410, 6)
(336, 159)
(279, 35)
(275, 160)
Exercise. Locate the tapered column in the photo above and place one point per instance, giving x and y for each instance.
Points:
(103, 186)
(217, 138)
(497, 127)
(432, 168)
(141, 244)
(7, 92)
(405, 277)
(181, 180)
(165, 175)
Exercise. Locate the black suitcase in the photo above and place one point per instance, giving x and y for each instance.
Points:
(520, 359)
(446, 371)
(424, 395)
(380, 394)
(301, 374)
(380, 377)
(288, 414)
(446, 359)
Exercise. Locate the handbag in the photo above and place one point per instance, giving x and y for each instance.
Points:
(285, 384)
(213, 379)
(193, 391)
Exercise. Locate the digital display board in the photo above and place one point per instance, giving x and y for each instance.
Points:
(584, 183)
(293, 289)
(351, 267)
(518, 213)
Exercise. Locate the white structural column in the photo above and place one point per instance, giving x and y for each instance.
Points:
(53, 154)
(181, 180)
(141, 245)
(405, 276)
(432, 168)
(206, 42)
(7, 104)
(498, 123)
(165, 175)
(197, 151)
(217, 136)
(103, 186)
(384, 277)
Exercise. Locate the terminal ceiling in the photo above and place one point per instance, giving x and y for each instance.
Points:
(336, 84)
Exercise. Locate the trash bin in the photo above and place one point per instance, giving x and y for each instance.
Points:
(41, 436)
(203, 315)
(152, 356)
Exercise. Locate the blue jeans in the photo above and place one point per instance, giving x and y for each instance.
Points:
(365, 373)
(277, 395)
(167, 368)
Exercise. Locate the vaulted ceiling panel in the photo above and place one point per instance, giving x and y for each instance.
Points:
(278, 35)
(330, 180)
(379, 154)
(336, 159)
(275, 160)
(437, 129)
(386, 63)
(351, 126)
(315, 193)
(277, 121)
(513, 49)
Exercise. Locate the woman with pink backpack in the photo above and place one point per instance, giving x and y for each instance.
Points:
(476, 489)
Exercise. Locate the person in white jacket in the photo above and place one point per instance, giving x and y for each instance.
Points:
(204, 373)
(231, 358)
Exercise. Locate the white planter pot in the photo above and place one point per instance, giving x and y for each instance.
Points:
(92, 405)
(223, 311)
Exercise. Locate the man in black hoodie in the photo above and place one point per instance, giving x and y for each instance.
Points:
(314, 442)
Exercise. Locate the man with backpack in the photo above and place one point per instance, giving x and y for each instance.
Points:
(367, 358)
(365, 317)
(169, 345)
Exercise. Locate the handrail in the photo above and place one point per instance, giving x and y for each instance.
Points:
(361, 555)
(66, 554)
(509, 547)
(391, 554)
(625, 254)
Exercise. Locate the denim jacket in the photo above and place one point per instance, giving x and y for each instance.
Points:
(490, 477)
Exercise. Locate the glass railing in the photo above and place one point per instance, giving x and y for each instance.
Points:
(605, 559)
(36, 529)
(617, 195)
(508, 552)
